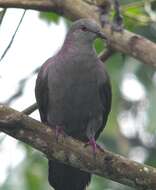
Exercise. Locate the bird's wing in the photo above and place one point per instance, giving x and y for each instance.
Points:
(41, 93)
(106, 99)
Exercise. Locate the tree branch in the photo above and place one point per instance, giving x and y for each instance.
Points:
(30, 109)
(126, 42)
(74, 153)
(106, 54)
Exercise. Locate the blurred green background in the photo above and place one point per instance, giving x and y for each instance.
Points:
(130, 129)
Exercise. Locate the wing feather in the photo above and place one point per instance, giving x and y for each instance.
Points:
(41, 93)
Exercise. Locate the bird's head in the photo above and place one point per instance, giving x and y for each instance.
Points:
(86, 30)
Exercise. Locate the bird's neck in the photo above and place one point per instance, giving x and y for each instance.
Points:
(72, 45)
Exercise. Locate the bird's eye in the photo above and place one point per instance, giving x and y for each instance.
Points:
(83, 28)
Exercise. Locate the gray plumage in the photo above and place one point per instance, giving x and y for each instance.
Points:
(73, 92)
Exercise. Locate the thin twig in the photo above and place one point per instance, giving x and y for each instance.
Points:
(21, 86)
(30, 109)
(2, 15)
(106, 54)
(12, 39)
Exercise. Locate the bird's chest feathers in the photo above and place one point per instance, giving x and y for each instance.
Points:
(75, 88)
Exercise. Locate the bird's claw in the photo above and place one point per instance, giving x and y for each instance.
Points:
(94, 145)
(59, 131)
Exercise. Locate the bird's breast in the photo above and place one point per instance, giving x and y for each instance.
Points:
(74, 96)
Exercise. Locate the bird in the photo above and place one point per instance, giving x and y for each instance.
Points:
(73, 95)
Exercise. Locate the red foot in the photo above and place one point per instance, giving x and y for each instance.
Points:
(94, 145)
(59, 131)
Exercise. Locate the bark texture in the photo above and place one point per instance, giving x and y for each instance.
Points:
(74, 153)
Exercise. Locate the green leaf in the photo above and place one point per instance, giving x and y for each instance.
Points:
(49, 17)
(135, 15)
(99, 45)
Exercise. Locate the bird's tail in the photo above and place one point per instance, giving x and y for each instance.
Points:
(63, 177)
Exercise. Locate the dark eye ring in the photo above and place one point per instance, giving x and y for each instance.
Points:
(83, 28)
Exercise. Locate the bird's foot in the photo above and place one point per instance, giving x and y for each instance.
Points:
(59, 131)
(94, 145)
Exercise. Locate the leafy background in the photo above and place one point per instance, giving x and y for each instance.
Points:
(131, 127)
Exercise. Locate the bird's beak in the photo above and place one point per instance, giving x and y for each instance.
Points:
(101, 35)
